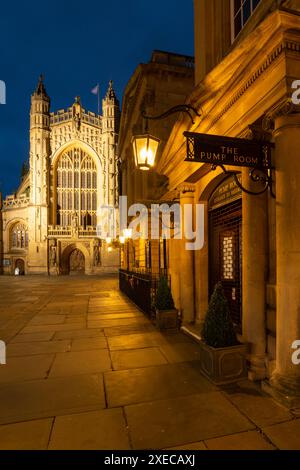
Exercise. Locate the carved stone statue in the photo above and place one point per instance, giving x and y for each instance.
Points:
(74, 224)
(53, 252)
(77, 112)
(96, 255)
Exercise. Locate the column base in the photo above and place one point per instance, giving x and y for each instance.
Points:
(257, 369)
(284, 390)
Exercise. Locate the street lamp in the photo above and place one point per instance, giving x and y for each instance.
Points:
(144, 150)
(145, 146)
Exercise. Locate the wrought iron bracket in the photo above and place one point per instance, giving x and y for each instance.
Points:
(257, 175)
(181, 108)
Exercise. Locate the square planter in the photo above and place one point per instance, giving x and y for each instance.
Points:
(167, 319)
(223, 365)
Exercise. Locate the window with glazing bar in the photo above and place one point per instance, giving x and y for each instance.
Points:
(241, 12)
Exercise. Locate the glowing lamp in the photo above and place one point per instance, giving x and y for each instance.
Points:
(127, 233)
(144, 150)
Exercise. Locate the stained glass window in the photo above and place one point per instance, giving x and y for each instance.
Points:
(76, 188)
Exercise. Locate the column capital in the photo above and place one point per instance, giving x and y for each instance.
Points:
(257, 132)
(186, 187)
(285, 108)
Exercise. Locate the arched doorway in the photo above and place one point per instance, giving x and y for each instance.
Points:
(19, 263)
(76, 262)
(225, 245)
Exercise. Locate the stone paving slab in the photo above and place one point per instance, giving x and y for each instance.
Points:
(37, 347)
(181, 352)
(105, 429)
(52, 328)
(29, 337)
(251, 440)
(47, 320)
(128, 329)
(133, 358)
(154, 383)
(261, 409)
(180, 420)
(135, 341)
(29, 435)
(113, 316)
(118, 322)
(80, 333)
(51, 397)
(80, 362)
(26, 368)
(83, 344)
(286, 436)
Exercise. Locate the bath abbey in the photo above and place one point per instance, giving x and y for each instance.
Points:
(49, 225)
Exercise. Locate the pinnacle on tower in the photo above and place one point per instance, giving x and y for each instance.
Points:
(40, 89)
(111, 95)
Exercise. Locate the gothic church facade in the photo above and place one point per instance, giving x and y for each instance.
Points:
(50, 224)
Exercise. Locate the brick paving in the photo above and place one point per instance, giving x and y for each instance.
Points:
(87, 370)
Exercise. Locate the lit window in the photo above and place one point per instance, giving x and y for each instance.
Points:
(241, 12)
(76, 188)
(228, 255)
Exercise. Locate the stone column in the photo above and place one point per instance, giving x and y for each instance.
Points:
(255, 246)
(186, 267)
(286, 377)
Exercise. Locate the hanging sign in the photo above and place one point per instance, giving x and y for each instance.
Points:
(218, 150)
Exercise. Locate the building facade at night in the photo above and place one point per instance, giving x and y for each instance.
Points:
(247, 57)
(49, 224)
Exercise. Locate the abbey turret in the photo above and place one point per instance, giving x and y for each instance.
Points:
(39, 161)
(110, 130)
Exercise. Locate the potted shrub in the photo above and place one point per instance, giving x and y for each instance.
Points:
(166, 313)
(223, 358)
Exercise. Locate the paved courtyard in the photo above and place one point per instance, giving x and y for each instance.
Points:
(87, 370)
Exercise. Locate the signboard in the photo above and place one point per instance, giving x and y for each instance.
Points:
(226, 192)
(218, 150)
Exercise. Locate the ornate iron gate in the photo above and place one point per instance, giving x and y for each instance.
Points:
(225, 255)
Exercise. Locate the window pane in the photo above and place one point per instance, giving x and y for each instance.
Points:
(246, 11)
(238, 23)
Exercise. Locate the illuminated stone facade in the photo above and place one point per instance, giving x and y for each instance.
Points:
(49, 225)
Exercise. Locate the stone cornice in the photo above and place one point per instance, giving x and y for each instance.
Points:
(284, 46)
(284, 108)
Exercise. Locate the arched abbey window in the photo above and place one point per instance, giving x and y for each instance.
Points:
(76, 188)
(19, 236)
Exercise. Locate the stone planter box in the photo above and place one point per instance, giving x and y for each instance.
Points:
(167, 319)
(223, 365)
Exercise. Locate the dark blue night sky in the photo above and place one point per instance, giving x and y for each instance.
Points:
(76, 44)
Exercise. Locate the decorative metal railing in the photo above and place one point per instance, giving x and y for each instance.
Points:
(140, 287)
